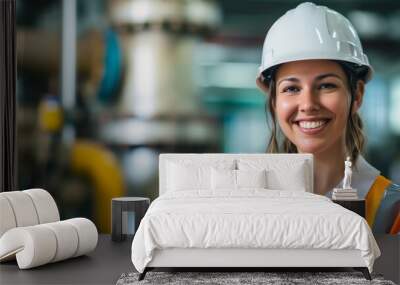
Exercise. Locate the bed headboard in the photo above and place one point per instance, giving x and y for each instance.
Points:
(164, 157)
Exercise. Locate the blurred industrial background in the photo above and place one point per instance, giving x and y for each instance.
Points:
(104, 86)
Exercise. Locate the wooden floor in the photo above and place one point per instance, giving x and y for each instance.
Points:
(110, 259)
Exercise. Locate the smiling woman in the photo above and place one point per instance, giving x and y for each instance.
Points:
(314, 71)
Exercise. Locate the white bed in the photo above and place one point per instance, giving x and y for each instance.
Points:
(194, 223)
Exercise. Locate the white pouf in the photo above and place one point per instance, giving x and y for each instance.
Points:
(31, 230)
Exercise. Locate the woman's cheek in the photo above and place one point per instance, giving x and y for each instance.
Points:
(339, 100)
(285, 110)
(336, 105)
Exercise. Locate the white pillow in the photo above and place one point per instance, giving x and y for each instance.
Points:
(223, 179)
(193, 174)
(281, 175)
(227, 179)
(251, 178)
(295, 180)
(188, 177)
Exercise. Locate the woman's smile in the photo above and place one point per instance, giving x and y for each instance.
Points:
(311, 126)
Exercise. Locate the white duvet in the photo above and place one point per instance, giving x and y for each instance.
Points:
(252, 218)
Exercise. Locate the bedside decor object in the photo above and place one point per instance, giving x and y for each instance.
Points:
(347, 192)
(347, 174)
(127, 212)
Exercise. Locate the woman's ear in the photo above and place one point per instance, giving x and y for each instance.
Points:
(263, 86)
(359, 94)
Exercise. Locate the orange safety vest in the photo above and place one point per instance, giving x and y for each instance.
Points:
(383, 206)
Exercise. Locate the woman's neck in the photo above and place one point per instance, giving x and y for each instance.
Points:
(328, 169)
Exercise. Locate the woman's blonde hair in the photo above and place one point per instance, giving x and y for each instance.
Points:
(354, 140)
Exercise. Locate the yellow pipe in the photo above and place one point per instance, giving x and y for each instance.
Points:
(101, 165)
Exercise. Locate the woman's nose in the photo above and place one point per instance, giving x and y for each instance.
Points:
(308, 101)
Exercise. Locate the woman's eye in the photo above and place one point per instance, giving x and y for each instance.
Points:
(290, 89)
(327, 86)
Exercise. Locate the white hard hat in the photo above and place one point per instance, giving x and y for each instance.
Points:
(313, 32)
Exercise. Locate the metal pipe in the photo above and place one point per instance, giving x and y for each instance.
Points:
(39, 52)
(68, 59)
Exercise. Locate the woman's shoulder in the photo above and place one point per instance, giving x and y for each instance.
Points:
(382, 182)
(383, 189)
(379, 181)
(368, 174)
(364, 176)
(368, 180)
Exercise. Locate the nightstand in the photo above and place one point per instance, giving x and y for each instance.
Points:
(127, 212)
(357, 205)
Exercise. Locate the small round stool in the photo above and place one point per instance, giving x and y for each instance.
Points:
(126, 214)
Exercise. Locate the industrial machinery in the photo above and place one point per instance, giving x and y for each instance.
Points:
(135, 98)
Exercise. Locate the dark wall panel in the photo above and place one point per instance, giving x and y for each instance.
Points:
(7, 96)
